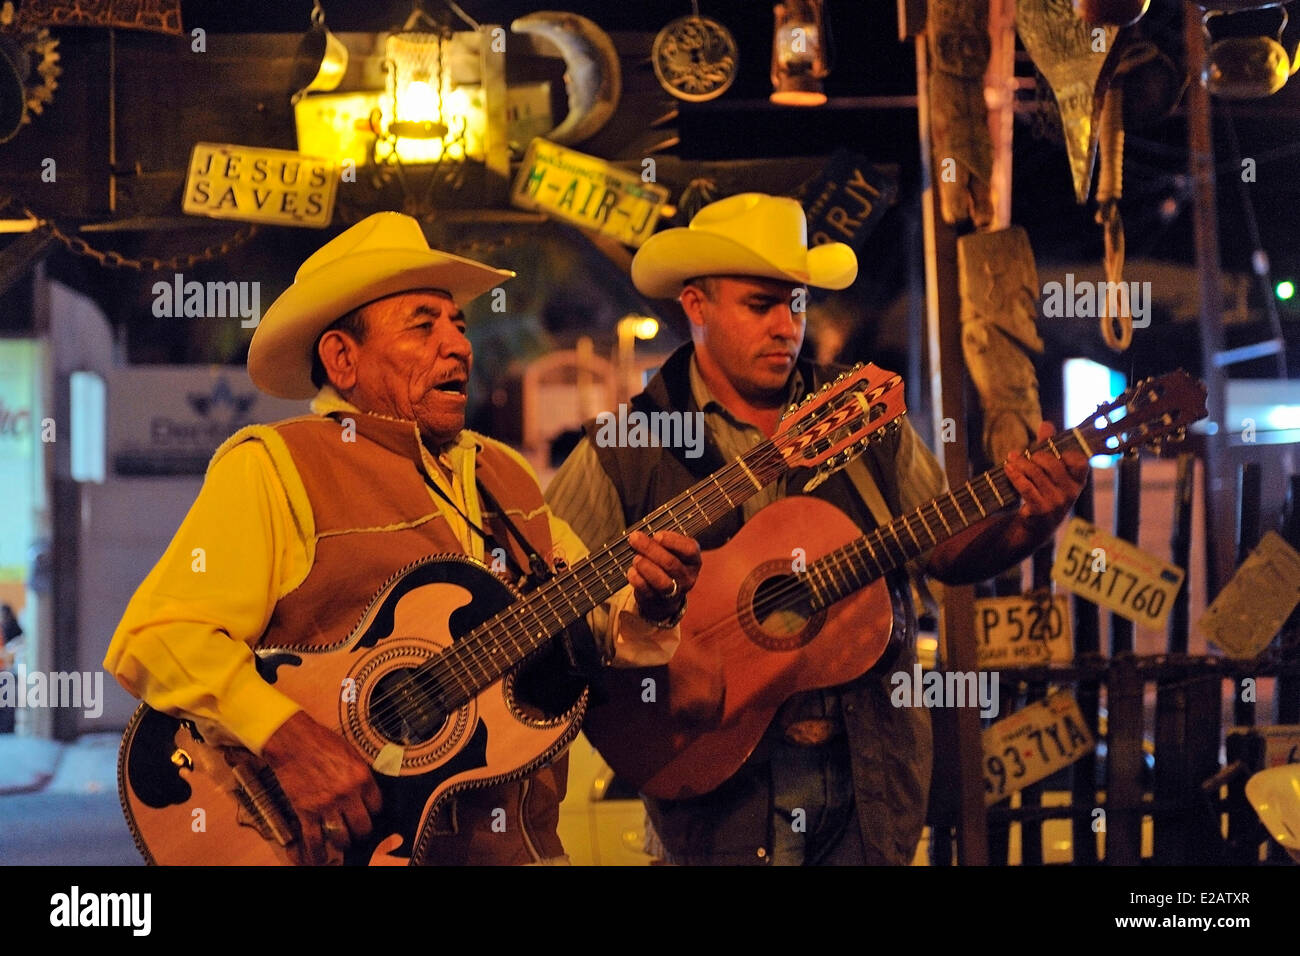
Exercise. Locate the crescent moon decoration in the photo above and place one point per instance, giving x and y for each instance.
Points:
(593, 77)
(694, 58)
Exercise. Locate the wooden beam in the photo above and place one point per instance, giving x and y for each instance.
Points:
(948, 378)
(492, 71)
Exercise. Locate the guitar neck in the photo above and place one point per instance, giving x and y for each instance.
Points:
(855, 565)
(510, 637)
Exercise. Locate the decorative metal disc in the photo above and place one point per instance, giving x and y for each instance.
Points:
(694, 58)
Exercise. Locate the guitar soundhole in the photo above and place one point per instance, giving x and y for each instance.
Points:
(780, 607)
(774, 608)
(403, 710)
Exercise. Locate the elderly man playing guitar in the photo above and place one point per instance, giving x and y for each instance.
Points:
(314, 535)
(840, 776)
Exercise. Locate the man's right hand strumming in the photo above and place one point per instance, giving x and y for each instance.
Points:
(327, 783)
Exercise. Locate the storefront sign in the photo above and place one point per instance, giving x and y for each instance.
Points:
(25, 433)
(251, 184)
(588, 192)
(169, 421)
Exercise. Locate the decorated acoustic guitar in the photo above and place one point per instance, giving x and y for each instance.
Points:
(425, 686)
(760, 628)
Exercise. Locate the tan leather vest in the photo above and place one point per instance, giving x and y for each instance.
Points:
(373, 513)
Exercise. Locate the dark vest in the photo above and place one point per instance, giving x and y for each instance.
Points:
(732, 824)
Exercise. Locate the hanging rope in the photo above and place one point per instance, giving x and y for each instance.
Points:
(1116, 330)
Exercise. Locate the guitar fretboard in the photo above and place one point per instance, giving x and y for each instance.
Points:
(855, 565)
(482, 657)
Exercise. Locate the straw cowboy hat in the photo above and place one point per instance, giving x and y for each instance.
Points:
(382, 255)
(750, 234)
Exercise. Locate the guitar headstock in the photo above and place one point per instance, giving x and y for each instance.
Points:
(831, 427)
(1150, 413)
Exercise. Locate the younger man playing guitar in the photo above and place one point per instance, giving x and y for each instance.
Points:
(850, 767)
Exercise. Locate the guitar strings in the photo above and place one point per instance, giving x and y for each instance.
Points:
(435, 688)
(478, 649)
(849, 555)
(615, 558)
(996, 479)
(853, 554)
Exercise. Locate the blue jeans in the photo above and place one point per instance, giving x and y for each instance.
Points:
(819, 782)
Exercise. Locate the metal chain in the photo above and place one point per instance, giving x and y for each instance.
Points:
(112, 259)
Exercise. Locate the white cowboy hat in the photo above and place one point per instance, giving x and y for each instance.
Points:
(749, 234)
(382, 255)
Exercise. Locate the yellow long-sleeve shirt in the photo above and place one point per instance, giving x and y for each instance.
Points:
(184, 644)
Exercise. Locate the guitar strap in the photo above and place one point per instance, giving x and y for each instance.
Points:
(538, 571)
(578, 646)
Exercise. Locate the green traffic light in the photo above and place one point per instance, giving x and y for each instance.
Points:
(1285, 289)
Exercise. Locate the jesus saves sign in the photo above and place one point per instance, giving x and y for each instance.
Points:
(251, 184)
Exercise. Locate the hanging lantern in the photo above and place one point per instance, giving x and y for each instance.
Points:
(425, 119)
(1245, 67)
(798, 57)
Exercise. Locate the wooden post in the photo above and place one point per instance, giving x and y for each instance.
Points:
(1124, 788)
(1087, 644)
(1128, 500)
(1180, 547)
(1201, 745)
(1000, 94)
(1243, 711)
(1172, 786)
(1200, 148)
(1288, 685)
(948, 378)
